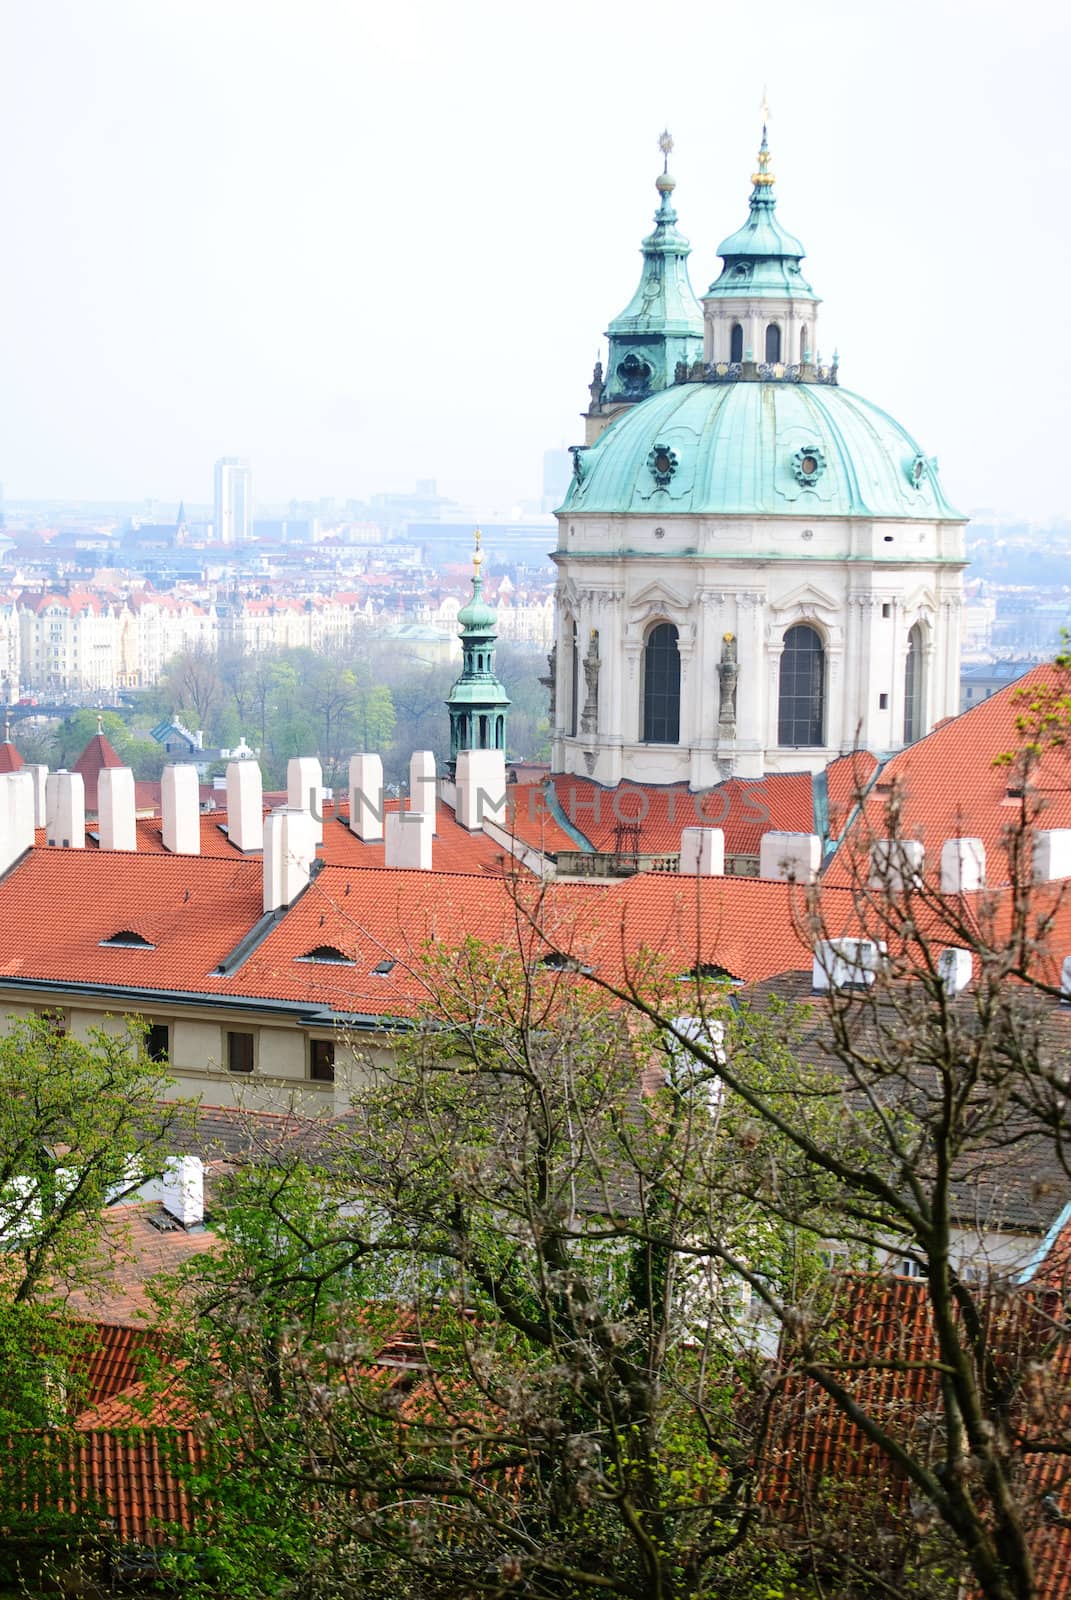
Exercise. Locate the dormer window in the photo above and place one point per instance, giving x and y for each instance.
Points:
(327, 955)
(127, 939)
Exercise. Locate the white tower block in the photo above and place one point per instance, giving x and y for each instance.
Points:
(65, 810)
(408, 841)
(962, 866)
(289, 851)
(39, 773)
(790, 856)
(305, 787)
(245, 805)
(366, 797)
(481, 788)
(180, 803)
(116, 812)
(702, 853)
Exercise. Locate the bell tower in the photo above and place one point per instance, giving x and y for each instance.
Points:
(478, 704)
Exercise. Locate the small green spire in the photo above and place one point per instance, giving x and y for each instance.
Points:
(477, 703)
(762, 257)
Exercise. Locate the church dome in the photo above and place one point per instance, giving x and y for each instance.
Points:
(762, 448)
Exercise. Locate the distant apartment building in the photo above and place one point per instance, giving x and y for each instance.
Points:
(233, 517)
(10, 650)
(69, 642)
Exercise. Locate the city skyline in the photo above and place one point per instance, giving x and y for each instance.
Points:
(388, 250)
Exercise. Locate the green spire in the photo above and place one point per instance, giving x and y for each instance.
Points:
(662, 324)
(762, 257)
(477, 703)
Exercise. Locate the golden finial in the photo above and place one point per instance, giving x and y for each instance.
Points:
(477, 555)
(764, 177)
(665, 144)
(100, 723)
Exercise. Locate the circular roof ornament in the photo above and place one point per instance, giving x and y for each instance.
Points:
(808, 465)
(662, 463)
(917, 469)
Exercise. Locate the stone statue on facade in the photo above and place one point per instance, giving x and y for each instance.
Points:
(589, 721)
(550, 682)
(596, 388)
(728, 671)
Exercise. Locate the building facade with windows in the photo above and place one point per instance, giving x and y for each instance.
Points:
(757, 568)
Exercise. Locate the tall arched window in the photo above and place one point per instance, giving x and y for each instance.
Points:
(662, 686)
(773, 342)
(574, 683)
(736, 343)
(803, 343)
(913, 728)
(801, 703)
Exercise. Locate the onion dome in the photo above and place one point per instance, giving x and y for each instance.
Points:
(762, 257)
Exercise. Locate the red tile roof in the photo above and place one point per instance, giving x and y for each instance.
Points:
(952, 787)
(132, 1253)
(744, 809)
(129, 1483)
(97, 755)
(10, 760)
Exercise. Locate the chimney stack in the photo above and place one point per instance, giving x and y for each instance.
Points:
(962, 866)
(840, 963)
(16, 816)
(180, 804)
(790, 857)
(480, 788)
(305, 788)
(245, 805)
(39, 773)
(289, 852)
(366, 797)
(955, 968)
(182, 1190)
(408, 840)
(895, 863)
(702, 853)
(1052, 854)
(116, 825)
(65, 810)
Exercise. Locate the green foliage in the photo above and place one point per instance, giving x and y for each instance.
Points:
(66, 743)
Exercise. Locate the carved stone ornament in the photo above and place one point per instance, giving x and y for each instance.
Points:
(808, 465)
(728, 671)
(662, 463)
(589, 718)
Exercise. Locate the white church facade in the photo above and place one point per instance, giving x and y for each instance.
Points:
(757, 568)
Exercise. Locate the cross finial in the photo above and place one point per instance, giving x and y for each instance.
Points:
(477, 555)
(763, 178)
(665, 144)
(100, 723)
(765, 109)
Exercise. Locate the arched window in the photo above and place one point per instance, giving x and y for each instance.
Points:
(773, 342)
(913, 728)
(662, 686)
(801, 703)
(574, 683)
(736, 343)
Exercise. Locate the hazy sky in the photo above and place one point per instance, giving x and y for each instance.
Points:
(365, 242)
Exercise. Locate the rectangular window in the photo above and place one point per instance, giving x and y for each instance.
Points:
(886, 609)
(322, 1060)
(239, 1052)
(56, 1017)
(883, 702)
(158, 1041)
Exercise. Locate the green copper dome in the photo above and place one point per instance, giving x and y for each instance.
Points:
(758, 449)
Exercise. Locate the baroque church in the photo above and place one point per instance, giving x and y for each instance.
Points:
(757, 568)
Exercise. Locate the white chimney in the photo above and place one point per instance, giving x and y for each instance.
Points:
(955, 968)
(182, 1190)
(305, 787)
(962, 866)
(116, 812)
(480, 788)
(289, 851)
(840, 962)
(894, 863)
(39, 773)
(16, 816)
(408, 840)
(794, 857)
(180, 806)
(245, 805)
(65, 810)
(366, 797)
(1052, 854)
(702, 853)
(1065, 981)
